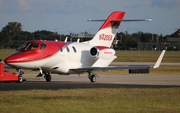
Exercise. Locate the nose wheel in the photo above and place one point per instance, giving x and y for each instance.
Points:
(20, 78)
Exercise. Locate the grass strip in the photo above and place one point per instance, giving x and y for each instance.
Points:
(106, 100)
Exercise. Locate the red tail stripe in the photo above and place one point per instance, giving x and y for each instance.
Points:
(117, 15)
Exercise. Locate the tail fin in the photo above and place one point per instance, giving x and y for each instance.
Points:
(108, 30)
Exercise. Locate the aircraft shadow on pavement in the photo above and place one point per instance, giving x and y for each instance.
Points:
(56, 85)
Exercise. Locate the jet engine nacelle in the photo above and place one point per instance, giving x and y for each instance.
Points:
(105, 53)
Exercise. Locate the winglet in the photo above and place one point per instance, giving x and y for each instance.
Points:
(158, 62)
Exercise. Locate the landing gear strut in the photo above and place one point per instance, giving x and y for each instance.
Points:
(21, 71)
(41, 72)
(92, 77)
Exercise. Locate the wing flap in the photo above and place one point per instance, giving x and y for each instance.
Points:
(112, 68)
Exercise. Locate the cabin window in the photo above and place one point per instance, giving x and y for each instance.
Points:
(60, 48)
(74, 49)
(67, 48)
(43, 46)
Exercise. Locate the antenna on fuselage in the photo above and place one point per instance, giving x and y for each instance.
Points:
(78, 40)
(66, 39)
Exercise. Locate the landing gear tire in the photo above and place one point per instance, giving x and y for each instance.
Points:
(48, 78)
(92, 78)
(20, 79)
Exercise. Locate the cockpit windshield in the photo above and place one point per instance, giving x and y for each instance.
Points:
(29, 46)
(22, 47)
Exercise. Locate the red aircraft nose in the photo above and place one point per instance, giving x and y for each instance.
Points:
(22, 57)
(8, 60)
(12, 59)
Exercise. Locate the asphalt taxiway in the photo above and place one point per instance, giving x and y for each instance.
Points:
(103, 81)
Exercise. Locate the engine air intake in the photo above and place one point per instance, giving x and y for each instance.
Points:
(93, 51)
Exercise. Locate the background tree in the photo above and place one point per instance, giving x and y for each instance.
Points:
(12, 36)
(47, 35)
(10, 33)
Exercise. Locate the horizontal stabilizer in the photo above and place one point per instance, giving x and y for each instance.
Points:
(124, 20)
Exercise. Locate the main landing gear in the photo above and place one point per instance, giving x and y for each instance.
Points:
(92, 77)
(47, 76)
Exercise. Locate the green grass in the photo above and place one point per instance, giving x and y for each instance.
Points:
(165, 70)
(5, 53)
(104, 100)
(147, 56)
(162, 70)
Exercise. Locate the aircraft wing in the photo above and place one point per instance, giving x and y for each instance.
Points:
(130, 67)
(112, 68)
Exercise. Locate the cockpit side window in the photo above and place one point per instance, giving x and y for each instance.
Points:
(42, 46)
(32, 46)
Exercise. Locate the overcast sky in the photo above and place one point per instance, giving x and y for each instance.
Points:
(65, 16)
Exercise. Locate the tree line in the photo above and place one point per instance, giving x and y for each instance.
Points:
(12, 36)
